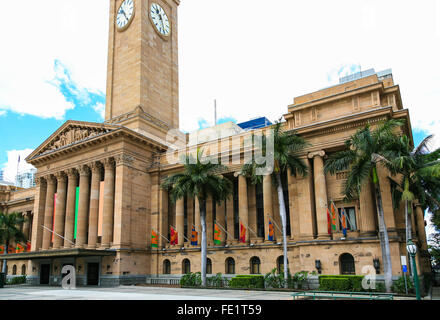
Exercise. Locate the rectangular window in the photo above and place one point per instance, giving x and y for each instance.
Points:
(350, 216)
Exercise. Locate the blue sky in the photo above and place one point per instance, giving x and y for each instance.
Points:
(54, 69)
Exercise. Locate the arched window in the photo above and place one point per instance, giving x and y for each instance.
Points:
(346, 261)
(255, 265)
(23, 270)
(186, 266)
(208, 266)
(280, 264)
(166, 267)
(14, 270)
(230, 266)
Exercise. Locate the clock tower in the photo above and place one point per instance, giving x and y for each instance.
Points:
(142, 73)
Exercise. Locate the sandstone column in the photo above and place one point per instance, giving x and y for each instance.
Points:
(306, 208)
(293, 205)
(367, 225)
(26, 224)
(221, 219)
(387, 201)
(109, 201)
(189, 216)
(243, 206)
(321, 201)
(268, 204)
(421, 226)
(180, 221)
(60, 210)
(209, 222)
(48, 211)
(39, 208)
(83, 205)
(70, 207)
(163, 217)
(230, 227)
(94, 205)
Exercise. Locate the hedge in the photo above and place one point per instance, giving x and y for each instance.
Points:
(341, 283)
(247, 281)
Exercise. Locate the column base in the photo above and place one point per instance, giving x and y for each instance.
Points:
(368, 234)
(306, 237)
(325, 236)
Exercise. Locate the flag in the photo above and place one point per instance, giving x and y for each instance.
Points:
(194, 237)
(154, 243)
(329, 222)
(174, 237)
(333, 209)
(11, 249)
(2, 249)
(28, 246)
(242, 233)
(19, 248)
(217, 235)
(270, 236)
(344, 222)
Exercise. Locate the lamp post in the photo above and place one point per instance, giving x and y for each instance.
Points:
(412, 250)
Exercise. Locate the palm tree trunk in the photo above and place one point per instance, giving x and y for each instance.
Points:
(4, 260)
(383, 235)
(284, 226)
(408, 221)
(204, 243)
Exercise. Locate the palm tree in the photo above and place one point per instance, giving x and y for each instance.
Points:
(199, 180)
(286, 146)
(417, 167)
(10, 231)
(364, 151)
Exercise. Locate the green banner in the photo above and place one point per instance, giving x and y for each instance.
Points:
(76, 212)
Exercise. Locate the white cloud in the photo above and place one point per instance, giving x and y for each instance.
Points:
(3, 113)
(100, 109)
(11, 166)
(72, 31)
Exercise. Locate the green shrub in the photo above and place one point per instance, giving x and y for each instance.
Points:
(351, 283)
(399, 285)
(274, 280)
(300, 278)
(191, 280)
(215, 281)
(16, 280)
(247, 281)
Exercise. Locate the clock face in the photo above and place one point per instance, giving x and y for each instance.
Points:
(125, 14)
(160, 19)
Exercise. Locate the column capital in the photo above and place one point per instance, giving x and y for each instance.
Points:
(96, 167)
(108, 163)
(40, 181)
(123, 159)
(72, 173)
(83, 170)
(320, 153)
(60, 176)
(50, 179)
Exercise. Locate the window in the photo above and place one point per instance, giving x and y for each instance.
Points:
(280, 264)
(255, 265)
(23, 270)
(230, 266)
(236, 220)
(14, 270)
(260, 209)
(166, 267)
(346, 262)
(351, 218)
(208, 266)
(186, 266)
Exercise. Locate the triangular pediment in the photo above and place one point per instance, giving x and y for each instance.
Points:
(69, 134)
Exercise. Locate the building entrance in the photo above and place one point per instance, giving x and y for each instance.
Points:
(93, 274)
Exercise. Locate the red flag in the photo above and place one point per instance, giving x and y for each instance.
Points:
(242, 233)
(329, 222)
(334, 220)
(174, 237)
(28, 246)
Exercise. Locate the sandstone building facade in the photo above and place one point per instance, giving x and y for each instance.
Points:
(98, 194)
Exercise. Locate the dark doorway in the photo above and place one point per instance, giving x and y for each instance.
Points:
(45, 273)
(92, 274)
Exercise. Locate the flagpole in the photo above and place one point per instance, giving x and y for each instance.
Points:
(162, 235)
(57, 234)
(223, 229)
(182, 234)
(276, 225)
(248, 227)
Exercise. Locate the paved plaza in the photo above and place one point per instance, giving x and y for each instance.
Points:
(135, 293)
